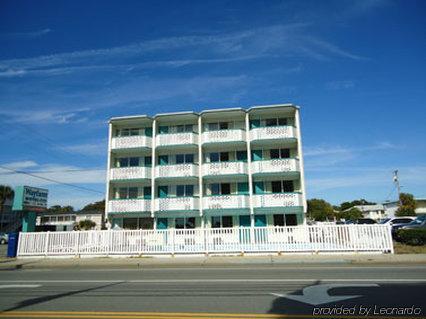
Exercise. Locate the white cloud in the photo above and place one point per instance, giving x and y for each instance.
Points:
(57, 172)
(340, 85)
(98, 148)
(291, 40)
(29, 34)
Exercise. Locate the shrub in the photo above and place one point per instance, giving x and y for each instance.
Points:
(412, 236)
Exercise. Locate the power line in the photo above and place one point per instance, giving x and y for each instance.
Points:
(51, 180)
(65, 170)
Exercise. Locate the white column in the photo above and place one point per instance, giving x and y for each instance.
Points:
(300, 154)
(200, 169)
(153, 163)
(250, 177)
(108, 172)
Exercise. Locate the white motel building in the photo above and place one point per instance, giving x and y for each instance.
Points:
(217, 168)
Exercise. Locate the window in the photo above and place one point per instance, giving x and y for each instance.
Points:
(241, 156)
(134, 131)
(288, 186)
(290, 220)
(282, 186)
(276, 121)
(122, 193)
(184, 128)
(223, 125)
(180, 158)
(133, 192)
(216, 222)
(185, 223)
(242, 188)
(279, 220)
(215, 189)
(279, 153)
(163, 129)
(224, 156)
(180, 128)
(185, 190)
(213, 126)
(271, 122)
(148, 161)
(184, 158)
(227, 221)
(276, 187)
(133, 161)
(214, 157)
(189, 128)
(163, 160)
(225, 188)
(222, 221)
(123, 162)
(147, 192)
(130, 223)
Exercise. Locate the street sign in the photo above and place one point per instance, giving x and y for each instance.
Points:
(30, 199)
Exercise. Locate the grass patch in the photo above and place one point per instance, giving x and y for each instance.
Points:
(408, 249)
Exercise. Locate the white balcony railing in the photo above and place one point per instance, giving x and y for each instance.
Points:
(126, 142)
(272, 132)
(129, 205)
(123, 173)
(177, 203)
(226, 201)
(277, 200)
(222, 136)
(224, 168)
(286, 165)
(177, 170)
(176, 139)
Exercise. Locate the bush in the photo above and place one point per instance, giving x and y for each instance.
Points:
(412, 236)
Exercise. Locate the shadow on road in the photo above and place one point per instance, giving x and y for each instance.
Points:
(38, 300)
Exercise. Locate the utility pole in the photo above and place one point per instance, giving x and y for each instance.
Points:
(396, 181)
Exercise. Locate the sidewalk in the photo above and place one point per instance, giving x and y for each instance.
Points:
(212, 261)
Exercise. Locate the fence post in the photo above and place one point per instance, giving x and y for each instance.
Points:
(390, 239)
(46, 245)
(173, 241)
(206, 241)
(140, 241)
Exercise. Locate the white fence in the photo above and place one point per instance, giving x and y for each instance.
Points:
(335, 238)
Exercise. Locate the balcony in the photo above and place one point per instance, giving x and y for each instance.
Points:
(226, 202)
(272, 133)
(275, 166)
(126, 173)
(277, 200)
(128, 205)
(176, 139)
(177, 204)
(224, 136)
(176, 171)
(224, 168)
(131, 142)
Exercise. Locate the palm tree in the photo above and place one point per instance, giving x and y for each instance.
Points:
(6, 192)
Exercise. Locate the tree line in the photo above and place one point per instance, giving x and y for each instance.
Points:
(321, 210)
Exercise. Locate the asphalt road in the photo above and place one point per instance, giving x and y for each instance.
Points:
(253, 291)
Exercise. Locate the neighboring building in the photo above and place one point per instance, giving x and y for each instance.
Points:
(56, 222)
(392, 207)
(10, 221)
(66, 222)
(376, 211)
(217, 168)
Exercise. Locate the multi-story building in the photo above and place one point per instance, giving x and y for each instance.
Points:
(217, 168)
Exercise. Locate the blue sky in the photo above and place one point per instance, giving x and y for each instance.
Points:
(356, 68)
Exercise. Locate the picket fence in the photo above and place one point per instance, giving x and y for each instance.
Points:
(324, 238)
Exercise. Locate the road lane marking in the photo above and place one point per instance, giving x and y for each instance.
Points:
(318, 294)
(18, 286)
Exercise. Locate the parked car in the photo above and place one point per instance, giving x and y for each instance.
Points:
(401, 223)
(419, 222)
(4, 238)
(397, 220)
(364, 221)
